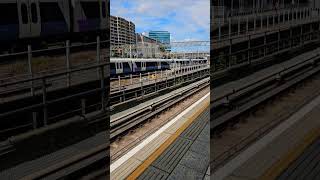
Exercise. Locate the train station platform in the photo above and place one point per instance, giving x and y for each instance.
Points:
(178, 150)
(289, 150)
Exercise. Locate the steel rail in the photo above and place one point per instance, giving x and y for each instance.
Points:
(128, 121)
(274, 75)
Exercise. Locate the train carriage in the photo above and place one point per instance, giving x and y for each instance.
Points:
(125, 66)
(39, 22)
(89, 16)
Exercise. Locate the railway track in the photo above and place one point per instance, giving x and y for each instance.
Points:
(241, 104)
(126, 122)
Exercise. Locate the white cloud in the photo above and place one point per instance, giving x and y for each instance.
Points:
(189, 19)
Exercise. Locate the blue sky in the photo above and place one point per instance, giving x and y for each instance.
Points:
(185, 19)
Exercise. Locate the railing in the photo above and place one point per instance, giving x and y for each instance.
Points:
(41, 91)
(44, 103)
(268, 48)
(33, 63)
(122, 82)
(140, 86)
(253, 22)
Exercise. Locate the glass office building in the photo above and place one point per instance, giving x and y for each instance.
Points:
(161, 36)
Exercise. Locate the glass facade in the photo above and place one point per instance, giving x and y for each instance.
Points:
(161, 36)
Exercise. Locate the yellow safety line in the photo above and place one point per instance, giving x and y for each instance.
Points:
(277, 168)
(142, 167)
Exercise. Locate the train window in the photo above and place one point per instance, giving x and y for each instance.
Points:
(104, 10)
(50, 11)
(164, 64)
(91, 9)
(11, 16)
(34, 14)
(112, 66)
(151, 64)
(138, 64)
(126, 65)
(24, 13)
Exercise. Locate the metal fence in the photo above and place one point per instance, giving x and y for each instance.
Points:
(128, 88)
(39, 95)
(34, 63)
(253, 22)
(269, 46)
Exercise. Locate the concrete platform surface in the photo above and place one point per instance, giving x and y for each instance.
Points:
(182, 145)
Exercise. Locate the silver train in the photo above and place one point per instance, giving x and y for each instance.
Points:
(43, 21)
(125, 66)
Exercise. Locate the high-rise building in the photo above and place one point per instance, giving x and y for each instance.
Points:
(161, 36)
(122, 31)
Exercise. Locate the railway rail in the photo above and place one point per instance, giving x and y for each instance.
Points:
(126, 122)
(229, 108)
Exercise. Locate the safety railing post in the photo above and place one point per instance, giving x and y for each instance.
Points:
(103, 88)
(34, 120)
(98, 55)
(119, 82)
(68, 62)
(44, 102)
(30, 69)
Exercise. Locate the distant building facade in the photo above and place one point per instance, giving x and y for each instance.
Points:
(122, 31)
(161, 36)
(147, 47)
(140, 38)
